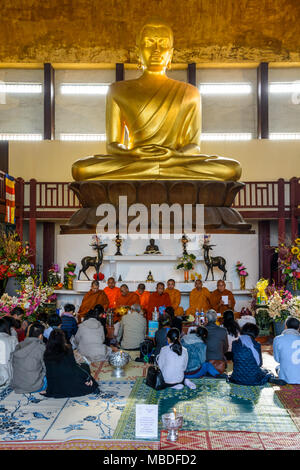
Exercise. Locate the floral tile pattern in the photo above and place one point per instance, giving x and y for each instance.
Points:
(34, 417)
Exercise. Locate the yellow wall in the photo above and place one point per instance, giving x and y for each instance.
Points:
(262, 160)
(94, 31)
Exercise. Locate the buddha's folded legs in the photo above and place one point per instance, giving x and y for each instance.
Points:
(188, 167)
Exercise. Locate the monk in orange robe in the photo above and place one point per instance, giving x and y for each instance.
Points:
(175, 297)
(219, 304)
(127, 298)
(92, 298)
(199, 299)
(144, 296)
(157, 299)
(112, 292)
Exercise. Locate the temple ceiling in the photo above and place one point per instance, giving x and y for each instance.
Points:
(104, 31)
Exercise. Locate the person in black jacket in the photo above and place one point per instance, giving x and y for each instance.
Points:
(65, 378)
(69, 323)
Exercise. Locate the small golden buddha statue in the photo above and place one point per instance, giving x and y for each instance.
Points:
(153, 124)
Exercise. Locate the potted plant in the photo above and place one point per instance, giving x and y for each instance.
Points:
(187, 263)
(281, 305)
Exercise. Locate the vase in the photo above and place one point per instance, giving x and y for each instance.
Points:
(242, 282)
(186, 275)
(70, 283)
(278, 327)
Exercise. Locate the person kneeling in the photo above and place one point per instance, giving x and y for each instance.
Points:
(29, 372)
(172, 361)
(286, 351)
(247, 360)
(65, 378)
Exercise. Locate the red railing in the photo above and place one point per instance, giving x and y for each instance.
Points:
(52, 200)
(257, 200)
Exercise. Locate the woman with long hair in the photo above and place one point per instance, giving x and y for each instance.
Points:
(173, 360)
(233, 331)
(65, 378)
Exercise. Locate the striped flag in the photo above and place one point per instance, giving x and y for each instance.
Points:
(10, 199)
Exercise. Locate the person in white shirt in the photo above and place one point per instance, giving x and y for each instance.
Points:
(8, 343)
(173, 360)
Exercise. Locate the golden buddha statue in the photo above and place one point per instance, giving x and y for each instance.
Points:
(162, 120)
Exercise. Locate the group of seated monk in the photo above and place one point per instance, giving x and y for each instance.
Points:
(113, 297)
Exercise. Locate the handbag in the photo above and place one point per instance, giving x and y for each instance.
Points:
(155, 378)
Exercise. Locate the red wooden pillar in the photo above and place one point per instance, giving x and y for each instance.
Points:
(281, 212)
(265, 253)
(19, 206)
(48, 247)
(294, 202)
(32, 220)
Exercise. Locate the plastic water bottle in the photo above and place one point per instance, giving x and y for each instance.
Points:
(155, 314)
(197, 318)
(202, 318)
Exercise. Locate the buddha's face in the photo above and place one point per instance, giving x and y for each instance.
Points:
(155, 48)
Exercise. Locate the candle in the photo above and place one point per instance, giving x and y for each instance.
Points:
(174, 409)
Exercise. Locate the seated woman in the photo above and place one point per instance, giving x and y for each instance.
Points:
(247, 360)
(233, 331)
(65, 378)
(195, 343)
(90, 338)
(173, 360)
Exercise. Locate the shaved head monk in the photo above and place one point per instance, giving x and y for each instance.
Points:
(112, 292)
(160, 298)
(222, 299)
(175, 297)
(199, 299)
(92, 298)
(126, 298)
(144, 296)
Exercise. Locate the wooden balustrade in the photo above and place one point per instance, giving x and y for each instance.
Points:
(258, 200)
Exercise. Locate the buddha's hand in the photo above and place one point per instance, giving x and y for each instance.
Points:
(190, 149)
(152, 151)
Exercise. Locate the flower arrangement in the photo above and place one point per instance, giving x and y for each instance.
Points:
(53, 276)
(289, 263)
(241, 269)
(31, 298)
(187, 262)
(282, 304)
(69, 272)
(14, 258)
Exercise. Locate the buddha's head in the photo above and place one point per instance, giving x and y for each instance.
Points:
(155, 45)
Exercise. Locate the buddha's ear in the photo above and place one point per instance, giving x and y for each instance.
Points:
(171, 57)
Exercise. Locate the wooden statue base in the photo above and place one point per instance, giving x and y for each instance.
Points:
(216, 196)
